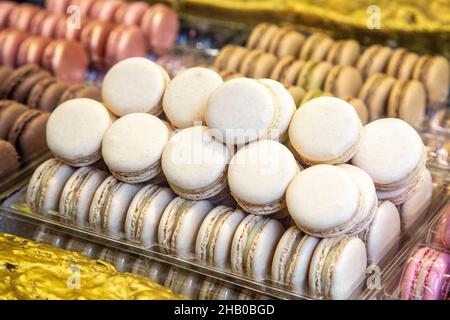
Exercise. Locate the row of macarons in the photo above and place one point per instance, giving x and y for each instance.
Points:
(178, 280)
(432, 71)
(254, 246)
(379, 96)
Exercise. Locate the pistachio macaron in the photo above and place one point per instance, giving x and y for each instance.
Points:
(110, 204)
(213, 244)
(144, 214)
(46, 185)
(185, 98)
(134, 85)
(259, 175)
(180, 223)
(242, 110)
(78, 193)
(325, 130)
(254, 245)
(195, 164)
(338, 267)
(75, 131)
(132, 147)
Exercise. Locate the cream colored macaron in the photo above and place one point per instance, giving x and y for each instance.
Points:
(185, 99)
(325, 130)
(134, 85)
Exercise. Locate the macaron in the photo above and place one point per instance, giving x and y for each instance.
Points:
(401, 64)
(78, 193)
(28, 134)
(109, 206)
(134, 85)
(32, 50)
(161, 26)
(256, 64)
(36, 23)
(360, 108)
(327, 201)
(66, 59)
(312, 94)
(259, 175)
(180, 223)
(343, 81)
(22, 91)
(242, 110)
(254, 245)
(266, 37)
(255, 35)
(185, 99)
(213, 244)
(16, 78)
(316, 47)
(375, 93)
(5, 72)
(325, 130)
(416, 206)
(9, 159)
(84, 5)
(10, 44)
(286, 42)
(344, 52)
(382, 236)
(297, 94)
(313, 75)
(221, 60)
(369, 201)
(426, 275)
(76, 91)
(49, 27)
(124, 42)
(6, 7)
(108, 10)
(373, 60)
(134, 13)
(195, 164)
(46, 93)
(391, 152)
(227, 75)
(407, 101)
(292, 257)
(434, 73)
(9, 112)
(133, 145)
(280, 69)
(338, 267)
(25, 13)
(292, 72)
(441, 235)
(75, 131)
(46, 186)
(94, 37)
(144, 214)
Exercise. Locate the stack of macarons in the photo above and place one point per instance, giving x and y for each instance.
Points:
(66, 59)
(158, 22)
(24, 129)
(38, 89)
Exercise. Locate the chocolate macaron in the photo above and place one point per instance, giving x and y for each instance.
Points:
(9, 112)
(9, 159)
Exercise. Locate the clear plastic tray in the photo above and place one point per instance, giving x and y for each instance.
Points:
(12, 201)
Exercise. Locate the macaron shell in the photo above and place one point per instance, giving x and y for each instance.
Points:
(347, 82)
(290, 44)
(164, 28)
(255, 35)
(185, 99)
(134, 13)
(125, 42)
(6, 8)
(375, 93)
(408, 101)
(10, 111)
(121, 94)
(434, 73)
(360, 108)
(13, 40)
(9, 159)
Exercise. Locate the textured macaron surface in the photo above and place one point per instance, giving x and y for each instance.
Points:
(390, 149)
(260, 172)
(75, 129)
(133, 85)
(134, 142)
(324, 129)
(241, 110)
(187, 94)
(322, 197)
(193, 159)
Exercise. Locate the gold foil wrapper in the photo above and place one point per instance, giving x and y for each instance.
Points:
(29, 270)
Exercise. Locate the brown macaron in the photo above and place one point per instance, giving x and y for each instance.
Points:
(343, 81)
(46, 94)
(316, 47)
(32, 50)
(257, 64)
(124, 42)
(373, 60)
(434, 73)
(375, 93)
(81, 91)
(9, 112)
(9, 46)
(22, 91)
(286, 42)
(67, 60)
(344, 52)
(5, 72)
(407, 101)
(28, 134)
(280, 68)
(9, 159)
(19, 75)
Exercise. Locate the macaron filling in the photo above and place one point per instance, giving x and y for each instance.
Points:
(139, 176)
(209, 191)
(251, 243)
